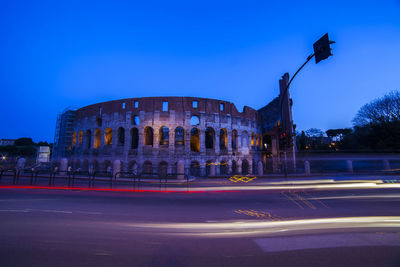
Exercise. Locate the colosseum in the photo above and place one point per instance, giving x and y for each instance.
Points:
(203, 137)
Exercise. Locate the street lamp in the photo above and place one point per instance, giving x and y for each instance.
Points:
(322, 51)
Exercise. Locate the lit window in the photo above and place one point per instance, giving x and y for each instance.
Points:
(195, 104)
(136, 104)
(221, 106)
(123, 105)
(165, 106)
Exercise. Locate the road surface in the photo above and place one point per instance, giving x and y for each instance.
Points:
(281, 227)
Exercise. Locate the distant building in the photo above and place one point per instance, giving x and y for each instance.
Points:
(43, 154)
(63, 134)
(7, 142)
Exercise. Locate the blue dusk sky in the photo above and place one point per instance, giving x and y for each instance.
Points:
(59, 54)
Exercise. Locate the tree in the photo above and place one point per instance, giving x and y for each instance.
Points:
(382, 110)
(377, 124)
(314, 132)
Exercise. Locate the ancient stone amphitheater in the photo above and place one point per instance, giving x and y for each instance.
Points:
(205, 137)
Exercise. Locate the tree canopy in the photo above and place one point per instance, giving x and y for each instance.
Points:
(382, 110)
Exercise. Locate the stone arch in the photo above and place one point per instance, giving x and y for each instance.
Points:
(195, 140)
(209, 165)
(210, 137)
(234, 140)
(106, 164)
(257, 141)
(234, 167)
(85, 165)
(80, 137)
(223, 168)
(223, 139)
(134, 138)
(133, 167)
(195, 168)
(88, 137)
(121, 136)
(108, 137)
(179, 136)
(95, 165)
(260, 168)
(254, 167)
(266, 142)
(245, 167)
(164, 136)
(252, 142)
(74, 139)
(97, 138)
(148, 136)
(147, 167)
(163, 169)
(77, 164)
(245, 139)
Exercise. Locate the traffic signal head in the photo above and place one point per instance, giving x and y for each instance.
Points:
(322, 48)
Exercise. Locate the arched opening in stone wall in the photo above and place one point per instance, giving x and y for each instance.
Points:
(254, 167)
(257, 141)
(121, 136)
(245, 139)
(245, 167)
(210, 136)
(108, 137)
(134, 138)
(267, 142)
(195, 168)
(95, 166)
(194, 120)
(164, 136)
(80, 138)
(97, 138)
(148, 136)
(88, 139)
(85, 165)
(179, 137)
(208, 167)
(107, 166)
(234, 167)
(253, 137)
(77, 164)
(133, 167)
(234, 140)
(223, 139)
(74, 139)
(163, 169)
(147, 167)
(195, 140)
(223, 168)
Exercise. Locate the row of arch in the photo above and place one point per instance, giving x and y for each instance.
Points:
(163, 167)
(164, 138)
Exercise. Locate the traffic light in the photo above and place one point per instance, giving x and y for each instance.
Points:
(282, 140)
(322, 48)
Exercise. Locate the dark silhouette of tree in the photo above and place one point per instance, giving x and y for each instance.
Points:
(379, 111)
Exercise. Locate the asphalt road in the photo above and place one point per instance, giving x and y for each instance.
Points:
(45, 227)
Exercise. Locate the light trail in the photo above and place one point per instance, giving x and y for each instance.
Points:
(378, 184)
(262, 228)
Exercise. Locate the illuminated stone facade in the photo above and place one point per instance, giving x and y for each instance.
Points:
(206, 137)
